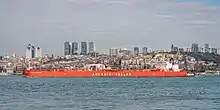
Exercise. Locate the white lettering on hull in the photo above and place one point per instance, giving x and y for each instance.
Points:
(111, 74)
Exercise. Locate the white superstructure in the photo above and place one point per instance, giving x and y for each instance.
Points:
(95, 66)
(174, 67)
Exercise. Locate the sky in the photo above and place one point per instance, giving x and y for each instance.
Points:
(109, 23)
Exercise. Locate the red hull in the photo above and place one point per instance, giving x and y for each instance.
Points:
(124, 73)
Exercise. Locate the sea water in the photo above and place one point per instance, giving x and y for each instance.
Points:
(20, 93)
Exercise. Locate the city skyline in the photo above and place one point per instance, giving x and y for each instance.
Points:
(75, 48)
(150, 23)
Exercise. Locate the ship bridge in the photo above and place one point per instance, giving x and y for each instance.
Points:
(171, 66)
(95, 66)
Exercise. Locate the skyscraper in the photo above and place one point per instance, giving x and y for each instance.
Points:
(67, 48)
(113, 52)
(201, 49)
(28, 51)
(91, 47)
(214, 50)
(175, 49)
(124, 51)
(218, 51)
(75, 48)
(181, 50)
(172, 48)
(207, 49)
(136, 50)
(188, 49)
(144, 50)
(195, 48)
(38, 52)
(83, 48)
(33, 52)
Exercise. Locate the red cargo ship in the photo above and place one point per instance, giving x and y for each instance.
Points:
(107, 73)
(95, 71)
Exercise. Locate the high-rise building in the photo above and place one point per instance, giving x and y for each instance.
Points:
(83, 48)
(28, 51)
(67, 48)
(136, 50)
(207, 49)
(150, 50)
(124, 51)
(38, 52)
(172, 48)
(75, 49)
(218, 51)
(181, 50)
(201, 49)
(175, 49)
(113, 52)
(33, 52)
(195, 48)
(144, 51)
(188, 50)
(91, 47)
(214, 50)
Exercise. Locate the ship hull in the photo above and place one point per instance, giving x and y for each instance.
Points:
(44, 73)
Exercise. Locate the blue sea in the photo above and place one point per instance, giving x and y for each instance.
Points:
(20, 93)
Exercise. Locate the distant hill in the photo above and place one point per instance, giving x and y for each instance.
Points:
(206, 57)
